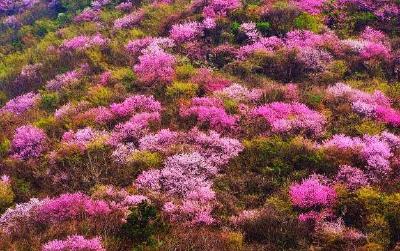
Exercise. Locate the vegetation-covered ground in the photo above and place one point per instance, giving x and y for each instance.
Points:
(199, 125)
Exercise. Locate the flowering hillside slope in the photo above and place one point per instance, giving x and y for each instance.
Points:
(199, 125)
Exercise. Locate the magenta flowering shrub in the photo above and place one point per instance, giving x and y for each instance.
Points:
(124, 6)
(250, 30)
(185, 32)
(209, 111)
(216, 8)
(83, 137)
(155, 66)
(160, 141)
(264, 44)
(74, 242)
(310, 6)
(24, 212)
(135, 104)
(28, 142)
(376, 151)
(287, 117)
(21, 104)
(87, 15)
(375, 105)
(81, 43)
(216, 149)
(312, 193)
(134, 129)
(68, 78)
(71, 206)
(128, 21)
(187, 176)
(352, 177)
(240, 93)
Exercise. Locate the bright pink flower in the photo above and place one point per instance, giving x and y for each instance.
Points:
(286, 117)
(311, 193)
(155, 66)
(28, 142)
(75, 243)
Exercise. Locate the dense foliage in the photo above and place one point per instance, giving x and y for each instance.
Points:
(199, 125)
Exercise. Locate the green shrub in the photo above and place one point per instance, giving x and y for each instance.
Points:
(142, 225)
(146, 159)
(263, 27)
(99, 95)
(184, 71)
(181, 90)
(307, 22)
(6, 195)
(49, 100)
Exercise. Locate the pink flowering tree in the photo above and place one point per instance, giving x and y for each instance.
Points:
(311, 193)
(28, 142)
(155, 66)
(290, 117)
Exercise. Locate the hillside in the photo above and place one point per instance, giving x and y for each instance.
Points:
(199, 125)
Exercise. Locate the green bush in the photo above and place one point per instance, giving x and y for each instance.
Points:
(6, 195)
(142, 225)
(49, 100)
(307, 22)
(181, 90)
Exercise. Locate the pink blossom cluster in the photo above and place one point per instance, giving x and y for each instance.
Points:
(287, 117)
(135, 104)
(265, 44)
(81, 43)
(383, 10)
(181, 174)
(185, 32)
(311, 193)
(375, 105)
(217, 8)
(87, 15)
(76, 243)
(187, 176)
(155, 66)
(16, 5)
(71, 206)
(70, 109)
(209, 111)
(240, 93)
(376, 151)
(160, 141)
(66, 79)
(124, 6)
(209, 81)
(314, 59)
(195, 209)
(128, 21)
(83, 137)
(310, 6)
(21, 104)
(352, 177)
(137, 46)
(134, 128)
(216, 149)
(98, 4)
(28, 142)
(251, 31)
(12, 218)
